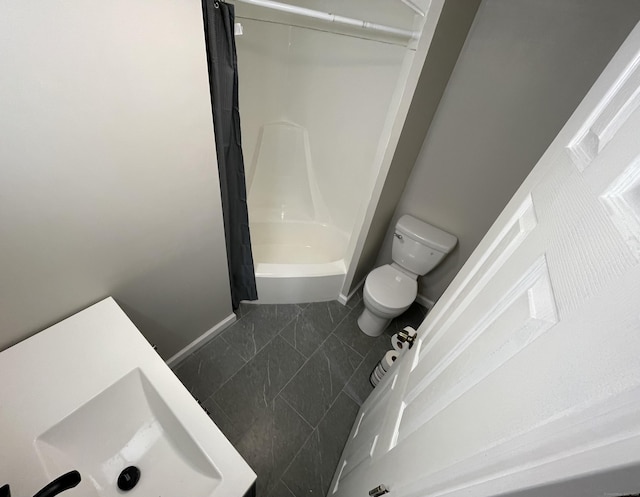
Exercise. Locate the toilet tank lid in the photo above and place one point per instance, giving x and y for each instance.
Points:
(425, 233)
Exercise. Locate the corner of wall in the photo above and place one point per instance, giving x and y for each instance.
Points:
(449, 37)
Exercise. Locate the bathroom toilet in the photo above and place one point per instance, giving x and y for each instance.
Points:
(389, 290)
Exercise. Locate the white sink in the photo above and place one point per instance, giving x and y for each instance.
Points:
(128, 424)
(90, 394)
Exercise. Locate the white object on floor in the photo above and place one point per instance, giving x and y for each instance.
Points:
(383, 366)
(388, 359)
(389, 290)
(91, 394)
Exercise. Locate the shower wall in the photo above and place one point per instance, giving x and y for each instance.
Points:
(336, 87)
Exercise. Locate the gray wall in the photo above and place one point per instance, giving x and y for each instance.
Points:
(108, 179)
(525, 67)
(448, 39)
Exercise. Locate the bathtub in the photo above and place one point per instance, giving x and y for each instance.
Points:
(297, 262)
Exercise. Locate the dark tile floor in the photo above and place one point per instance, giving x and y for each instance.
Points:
(284, 384)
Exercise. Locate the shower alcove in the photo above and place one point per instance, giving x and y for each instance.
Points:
(297, 249)
(318, 103)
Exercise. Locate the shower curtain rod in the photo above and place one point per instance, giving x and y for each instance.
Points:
(326, 16)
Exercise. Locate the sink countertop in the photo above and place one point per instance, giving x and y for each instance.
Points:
(47, 377)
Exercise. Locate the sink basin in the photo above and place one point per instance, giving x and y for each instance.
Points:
(128, 424)
(90, 394)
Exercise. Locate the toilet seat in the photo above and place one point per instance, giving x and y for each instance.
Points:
(390, 289)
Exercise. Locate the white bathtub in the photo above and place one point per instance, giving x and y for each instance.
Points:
(298, 262)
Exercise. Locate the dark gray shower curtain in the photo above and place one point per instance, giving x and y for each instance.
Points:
(223, 83)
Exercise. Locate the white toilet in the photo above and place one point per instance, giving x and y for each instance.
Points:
(389, 290)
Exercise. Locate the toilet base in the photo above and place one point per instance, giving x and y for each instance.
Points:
(371, 324)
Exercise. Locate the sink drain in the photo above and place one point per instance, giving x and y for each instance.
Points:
(128, 478)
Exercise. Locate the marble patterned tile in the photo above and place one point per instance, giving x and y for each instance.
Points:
(254, 330)
(281, 490)
(314, 388)
(255, 386)
(245, 308)
(311, 471)
(270, 436)
(313, 325)
(271, 443)
(349, 333)
(206, 370)
(222, 421)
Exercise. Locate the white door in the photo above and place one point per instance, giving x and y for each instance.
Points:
(528, 368)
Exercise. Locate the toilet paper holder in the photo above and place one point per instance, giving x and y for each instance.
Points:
(408, 336)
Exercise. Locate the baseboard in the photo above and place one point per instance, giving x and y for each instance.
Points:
(343, 299)
(201, 340)
(422, 300)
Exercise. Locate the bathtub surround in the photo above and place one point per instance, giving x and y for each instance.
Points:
(286, 396)
(312, 123)
(108, 184)
(524, 68)
(299, 252)
(306, 95)
(223, 83)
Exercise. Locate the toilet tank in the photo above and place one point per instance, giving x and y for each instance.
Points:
(419, 247)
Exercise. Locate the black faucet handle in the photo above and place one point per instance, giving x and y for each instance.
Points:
(5, 491)
(60, 484)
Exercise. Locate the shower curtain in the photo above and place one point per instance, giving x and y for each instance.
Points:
(223, 84)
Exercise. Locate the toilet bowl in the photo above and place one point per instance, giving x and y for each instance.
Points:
(389, 290)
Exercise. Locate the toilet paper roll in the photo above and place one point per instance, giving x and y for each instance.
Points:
(383, 366)
(396, 343)
(374, 381)
(388, 359)
(375, 377)
(379, 372)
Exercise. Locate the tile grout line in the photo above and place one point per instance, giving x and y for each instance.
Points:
(284, 471)
(306, 359)
(314, 430)
(349, 346)
(287, 487)
(231, 344)
(351, 378)
(295, 410)
(279, 394)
